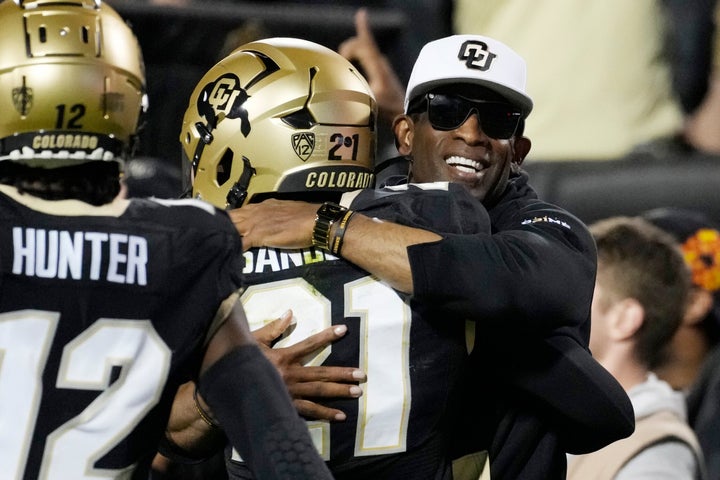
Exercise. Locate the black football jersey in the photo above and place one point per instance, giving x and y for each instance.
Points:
(412, 355)
(102, 316)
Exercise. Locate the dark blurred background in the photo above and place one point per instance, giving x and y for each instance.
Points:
(182, 39)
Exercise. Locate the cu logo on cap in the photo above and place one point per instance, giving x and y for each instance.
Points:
(476, 55)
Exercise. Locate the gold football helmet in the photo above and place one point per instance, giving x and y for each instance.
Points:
(279, 115)
(72, 83)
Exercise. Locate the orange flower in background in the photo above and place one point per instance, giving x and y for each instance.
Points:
(702, 254)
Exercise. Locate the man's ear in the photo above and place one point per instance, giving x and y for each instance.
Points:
(700, 303)
(521, 147)
(629, 319)
(403, 127)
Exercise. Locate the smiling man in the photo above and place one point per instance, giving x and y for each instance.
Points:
(527, 285)
(465, 116)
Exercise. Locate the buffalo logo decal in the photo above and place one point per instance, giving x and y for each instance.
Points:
(224, 95)
(227, 95)
(22, 99)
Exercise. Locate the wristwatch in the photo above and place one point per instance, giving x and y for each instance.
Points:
(327, 214)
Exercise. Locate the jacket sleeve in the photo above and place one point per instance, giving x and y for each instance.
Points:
(532, 278)
(537, 267)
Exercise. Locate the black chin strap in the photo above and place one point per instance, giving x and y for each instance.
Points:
(238, 192)
(206, 138)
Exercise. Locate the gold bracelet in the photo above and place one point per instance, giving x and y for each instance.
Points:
(203, 414)
(339, 233)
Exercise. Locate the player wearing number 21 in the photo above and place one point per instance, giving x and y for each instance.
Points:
(108, 304)
(293, 89)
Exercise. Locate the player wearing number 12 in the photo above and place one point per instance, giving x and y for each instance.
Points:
(246, 151)
(108, 304)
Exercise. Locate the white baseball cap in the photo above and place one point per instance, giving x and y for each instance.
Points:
(470, 59)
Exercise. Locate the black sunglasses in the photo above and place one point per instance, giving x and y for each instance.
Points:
(447, 112)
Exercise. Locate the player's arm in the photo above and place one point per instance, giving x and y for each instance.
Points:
(448, 269)
(539, 273)
(192, 429)
(374, 245)
(249, 399)
(192, 433)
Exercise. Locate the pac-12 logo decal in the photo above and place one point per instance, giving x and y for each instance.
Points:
(303, 144)
(22, 98)
(476, 55)
(224, 95)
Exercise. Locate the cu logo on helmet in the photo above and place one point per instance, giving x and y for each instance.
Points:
(227, 96)
(476, 55)
(224, 94)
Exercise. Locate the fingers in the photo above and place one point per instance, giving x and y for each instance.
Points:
(362, 47)
(300, 374)
(324, 390)
(272, 331)
(348, 48)
(315, 411)
(315, 342)
(362, 26)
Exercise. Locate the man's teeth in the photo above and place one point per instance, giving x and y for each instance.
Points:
(464, 164)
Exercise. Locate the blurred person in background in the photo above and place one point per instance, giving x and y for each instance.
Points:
(640, 298)
(598, 98)
(701, 128)
(693, 362)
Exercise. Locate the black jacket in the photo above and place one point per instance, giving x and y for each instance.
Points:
(532, 278)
